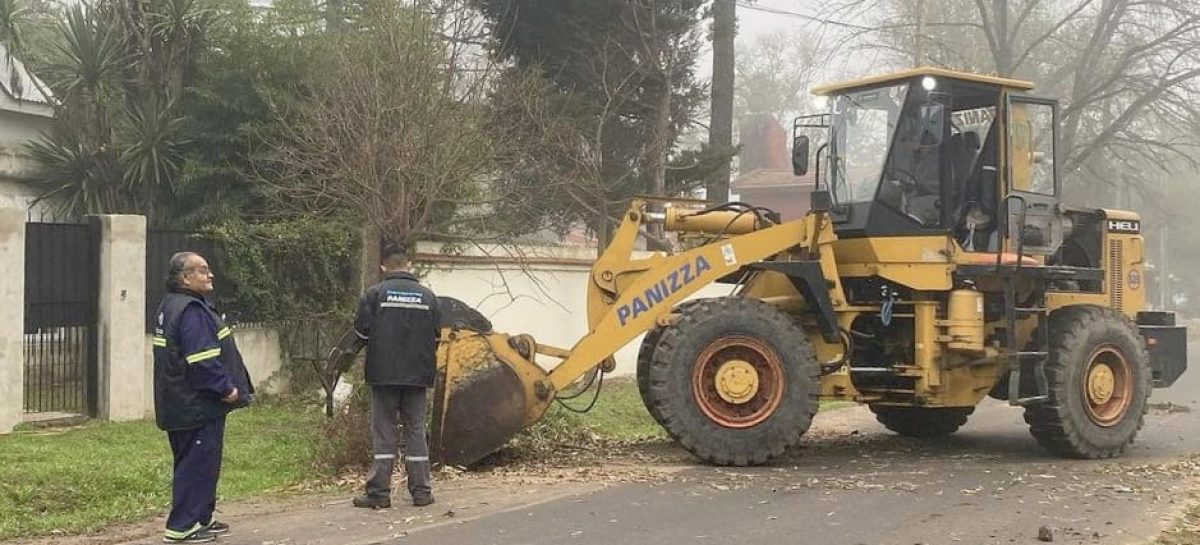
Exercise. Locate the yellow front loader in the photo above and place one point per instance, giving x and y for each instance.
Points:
(936, 267)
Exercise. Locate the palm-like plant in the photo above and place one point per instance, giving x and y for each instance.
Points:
(89, 62)
(178, 26)
(151, 150)
(79, 172)
(11, 15)
(74, 177)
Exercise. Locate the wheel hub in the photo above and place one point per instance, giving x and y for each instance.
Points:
(1108, 386)
(737, 381)
(1100, 384)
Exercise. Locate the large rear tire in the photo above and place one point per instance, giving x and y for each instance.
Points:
(734, 381)
(922, 422)
(1099, 380)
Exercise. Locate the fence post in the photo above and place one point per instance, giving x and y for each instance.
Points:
(12, 320)
(121, 328)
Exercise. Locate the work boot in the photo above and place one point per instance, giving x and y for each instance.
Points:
(372, 502)
(421, 500)
(217, 527)
(198, 536)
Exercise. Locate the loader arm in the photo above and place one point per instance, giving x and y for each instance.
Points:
(490, 385)
(629, 297)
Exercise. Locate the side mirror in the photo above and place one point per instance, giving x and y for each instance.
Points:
(800, 155)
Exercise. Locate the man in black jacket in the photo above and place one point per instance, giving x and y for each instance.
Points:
(199, 377)
(398, 319)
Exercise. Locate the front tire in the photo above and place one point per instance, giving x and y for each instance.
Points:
(646, 356)
(1099, 380)
(734, 381)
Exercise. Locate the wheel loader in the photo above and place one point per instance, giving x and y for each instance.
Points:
(937, 267)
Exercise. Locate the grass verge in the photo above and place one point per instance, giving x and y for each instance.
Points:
(83, 479)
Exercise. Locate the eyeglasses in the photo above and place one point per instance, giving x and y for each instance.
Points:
(204, 271)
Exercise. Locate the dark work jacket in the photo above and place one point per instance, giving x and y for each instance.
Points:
(399, 320)
(183, 396)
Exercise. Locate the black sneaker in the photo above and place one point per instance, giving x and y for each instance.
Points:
(217, 527)
(196, 536)
(372, 502)
(421, 500)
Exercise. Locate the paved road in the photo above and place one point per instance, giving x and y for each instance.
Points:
(990, 484)
(852, 483)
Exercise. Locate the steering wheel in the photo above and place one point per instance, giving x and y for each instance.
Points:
(902, 179)
(908, 186)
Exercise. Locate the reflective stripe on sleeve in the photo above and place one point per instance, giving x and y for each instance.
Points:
(205, 355)
(224, 332)
(159, 341)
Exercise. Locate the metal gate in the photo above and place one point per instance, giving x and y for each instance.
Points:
(61, 292)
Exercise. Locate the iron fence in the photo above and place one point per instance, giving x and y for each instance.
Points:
(61, 291)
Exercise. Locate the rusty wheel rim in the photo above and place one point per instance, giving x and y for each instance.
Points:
(738, 381)
(1107, 386)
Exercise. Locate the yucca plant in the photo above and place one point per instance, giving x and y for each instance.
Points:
(151, 150)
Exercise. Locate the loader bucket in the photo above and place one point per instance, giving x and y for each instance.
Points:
(487, 390)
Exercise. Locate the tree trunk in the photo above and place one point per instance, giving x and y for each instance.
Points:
(603, 229)
(368, 262)
(1004, 56)
(720, 132)
(334, 19)
(919, 49)
(658, 151)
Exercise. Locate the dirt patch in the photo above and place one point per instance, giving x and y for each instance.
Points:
(1170, 408)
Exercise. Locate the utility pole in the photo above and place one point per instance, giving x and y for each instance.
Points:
(720, 131)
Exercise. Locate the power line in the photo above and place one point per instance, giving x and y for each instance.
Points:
(798, 15)
(795, 14)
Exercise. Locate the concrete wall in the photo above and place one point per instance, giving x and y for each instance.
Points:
(16, 129)
(12, 317)
(260, 349)
(122, 316)
(546, 299)
(263, 355)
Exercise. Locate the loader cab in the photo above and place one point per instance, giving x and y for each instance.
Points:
(930, 151)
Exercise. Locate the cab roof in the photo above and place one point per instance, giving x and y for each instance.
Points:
(832, 88)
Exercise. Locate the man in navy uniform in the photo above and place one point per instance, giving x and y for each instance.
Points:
(398, 319)
(199, 377)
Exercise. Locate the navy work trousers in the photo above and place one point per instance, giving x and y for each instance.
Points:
(197, 469)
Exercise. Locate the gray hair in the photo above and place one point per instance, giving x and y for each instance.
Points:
(175, 270)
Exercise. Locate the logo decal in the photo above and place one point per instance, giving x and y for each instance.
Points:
(1135, 279)
(394, 296)
(664, 289)
(1128, 227)
(729, 255)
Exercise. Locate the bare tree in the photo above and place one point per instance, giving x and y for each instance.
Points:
(394, 134)
(1126, 71)
(775, 74)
